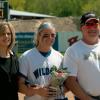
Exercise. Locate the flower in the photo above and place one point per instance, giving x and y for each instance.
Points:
(58, 76)
(56, 80)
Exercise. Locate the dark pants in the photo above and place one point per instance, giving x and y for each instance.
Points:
(94, 97)
(76, 98)
(62, 99)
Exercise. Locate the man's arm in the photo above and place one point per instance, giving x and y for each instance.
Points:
(73, 85)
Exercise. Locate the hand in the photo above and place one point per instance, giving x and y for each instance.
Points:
(52, 91)
(30, 91)
(46, 91)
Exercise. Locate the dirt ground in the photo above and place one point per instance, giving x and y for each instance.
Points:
(69, 94)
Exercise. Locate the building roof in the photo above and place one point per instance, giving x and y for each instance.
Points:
(28, 14)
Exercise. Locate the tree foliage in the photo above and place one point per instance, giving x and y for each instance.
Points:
(17, 4)
(59, 8)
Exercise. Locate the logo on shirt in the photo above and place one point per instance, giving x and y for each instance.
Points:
(41, 72)
(92, 55)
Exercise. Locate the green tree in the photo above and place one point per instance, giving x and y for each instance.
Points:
(92, 6)
(60, 8)
(17, 4)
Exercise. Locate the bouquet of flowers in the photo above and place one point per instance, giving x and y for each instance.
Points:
(56, 81)
(58, 76)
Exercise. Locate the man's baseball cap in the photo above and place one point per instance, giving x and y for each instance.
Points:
(87, 17)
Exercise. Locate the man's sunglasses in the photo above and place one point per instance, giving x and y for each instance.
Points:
(94, 23)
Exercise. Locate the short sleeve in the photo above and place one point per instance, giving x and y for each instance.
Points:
(23, 65)
(70, 63)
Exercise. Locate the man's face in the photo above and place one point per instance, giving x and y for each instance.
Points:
(91, 30)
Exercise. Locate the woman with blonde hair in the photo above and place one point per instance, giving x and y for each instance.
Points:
(35, 65)
(8, 63)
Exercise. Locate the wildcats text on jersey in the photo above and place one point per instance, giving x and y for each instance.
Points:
(41, 71)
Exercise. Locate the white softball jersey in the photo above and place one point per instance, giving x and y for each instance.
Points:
(36, 68)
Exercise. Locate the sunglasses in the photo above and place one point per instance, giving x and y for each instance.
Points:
(93, 23)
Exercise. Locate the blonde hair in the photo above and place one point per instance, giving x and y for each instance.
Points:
(42, 26)
(11, 28)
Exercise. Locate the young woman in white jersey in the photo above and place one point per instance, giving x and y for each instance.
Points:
(35, 65)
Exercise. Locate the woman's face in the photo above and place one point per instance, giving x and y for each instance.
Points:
(5, 38)
(47, 37)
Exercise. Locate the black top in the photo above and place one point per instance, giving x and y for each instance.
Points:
(9, 78)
